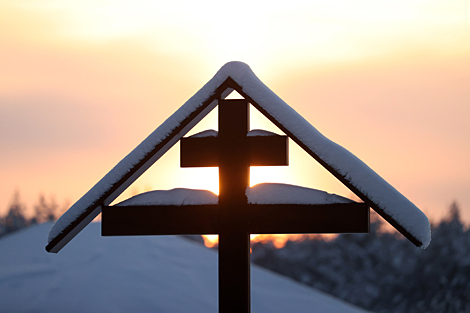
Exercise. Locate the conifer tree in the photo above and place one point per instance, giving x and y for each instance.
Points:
(45, 211)
(15, 218)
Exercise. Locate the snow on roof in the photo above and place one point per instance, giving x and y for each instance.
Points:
(351, 171)
(266, 193)
(177, 196)
(206, 133)
(251, 133)
(270, 193)
(366, 183)
(260, 132)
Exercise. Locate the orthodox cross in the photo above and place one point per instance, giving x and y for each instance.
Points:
(233, 218)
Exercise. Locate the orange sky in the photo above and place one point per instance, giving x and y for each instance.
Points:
(83, 82)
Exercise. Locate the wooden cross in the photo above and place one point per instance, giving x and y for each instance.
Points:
(233, 218)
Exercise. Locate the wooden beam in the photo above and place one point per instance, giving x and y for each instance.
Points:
(111, 193)
(268, 150)
(199, 152)
(234, 178)
(263, 151)
(159, 220)
(260, 219)
(308, 219)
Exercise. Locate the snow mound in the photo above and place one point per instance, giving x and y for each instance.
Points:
(260, 133)
(177, 196)
(270, 193)
(266, 193)
(206, 133)
(133, 274)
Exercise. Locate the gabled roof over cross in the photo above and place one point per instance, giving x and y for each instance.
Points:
(351, 171)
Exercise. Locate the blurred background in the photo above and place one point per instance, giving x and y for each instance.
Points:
(84, 82)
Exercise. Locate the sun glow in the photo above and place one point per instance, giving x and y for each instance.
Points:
(210, 241)
(278, 241)
(205, 30)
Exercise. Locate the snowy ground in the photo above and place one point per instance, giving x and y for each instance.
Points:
(138, 274)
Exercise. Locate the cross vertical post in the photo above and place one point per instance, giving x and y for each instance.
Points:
(234, 239)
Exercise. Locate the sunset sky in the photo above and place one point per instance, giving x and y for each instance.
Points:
(84, 82)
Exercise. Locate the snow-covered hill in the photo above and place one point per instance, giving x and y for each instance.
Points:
(133, 274)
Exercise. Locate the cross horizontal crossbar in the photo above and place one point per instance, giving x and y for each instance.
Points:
(262, 151)
(263, 219)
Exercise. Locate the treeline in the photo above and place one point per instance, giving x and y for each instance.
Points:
(382, 271)
(379, 271)
(16, 217)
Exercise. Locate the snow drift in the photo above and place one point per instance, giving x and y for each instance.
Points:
(133, 274)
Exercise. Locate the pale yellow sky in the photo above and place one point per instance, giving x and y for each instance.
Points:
(83, 82)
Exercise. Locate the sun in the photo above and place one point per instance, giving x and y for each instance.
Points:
(202, 178)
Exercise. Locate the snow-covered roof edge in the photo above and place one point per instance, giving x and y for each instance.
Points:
(350, 170)
(356, 175)
(136, 162)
